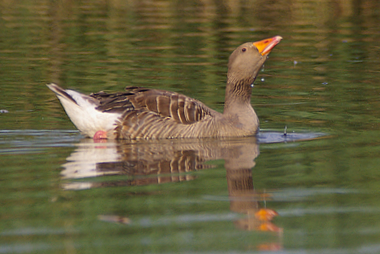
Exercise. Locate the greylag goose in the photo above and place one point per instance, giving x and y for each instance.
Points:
(145, 113)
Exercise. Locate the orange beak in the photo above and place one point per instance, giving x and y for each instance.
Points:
(265, 46)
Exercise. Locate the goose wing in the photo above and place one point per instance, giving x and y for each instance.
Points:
(177, 107)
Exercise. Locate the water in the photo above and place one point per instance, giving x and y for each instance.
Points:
(61, 193)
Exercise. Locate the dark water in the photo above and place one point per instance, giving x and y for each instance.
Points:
(317, 191)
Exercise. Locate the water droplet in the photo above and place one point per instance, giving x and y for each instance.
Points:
(295, 62)
(252, 85)
(324, 83)
(262, 79)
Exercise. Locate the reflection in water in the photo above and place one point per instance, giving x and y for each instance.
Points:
(114, 218)
(156, 162)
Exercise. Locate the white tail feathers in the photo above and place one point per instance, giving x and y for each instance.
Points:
(82, 111)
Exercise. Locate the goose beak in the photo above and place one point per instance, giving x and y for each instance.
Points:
(266, 45)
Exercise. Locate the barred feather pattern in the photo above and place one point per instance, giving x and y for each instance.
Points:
(151, 113)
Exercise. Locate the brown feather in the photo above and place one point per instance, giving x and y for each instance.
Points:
(175, 106)
(151, 113)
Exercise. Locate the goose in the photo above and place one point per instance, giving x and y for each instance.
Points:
(146, 113)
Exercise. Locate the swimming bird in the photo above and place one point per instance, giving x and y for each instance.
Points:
(145, 113)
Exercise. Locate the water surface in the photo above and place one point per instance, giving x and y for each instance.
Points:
(62, 193)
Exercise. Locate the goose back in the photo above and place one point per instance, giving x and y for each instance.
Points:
(152, 113)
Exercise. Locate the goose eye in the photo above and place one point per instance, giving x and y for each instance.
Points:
(243, 49)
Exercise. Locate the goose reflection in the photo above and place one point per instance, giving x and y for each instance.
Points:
(157, 162)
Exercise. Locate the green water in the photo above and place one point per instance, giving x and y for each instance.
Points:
(60, 193)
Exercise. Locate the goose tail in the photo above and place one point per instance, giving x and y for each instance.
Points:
(82, 111)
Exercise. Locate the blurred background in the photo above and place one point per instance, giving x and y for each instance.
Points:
(322, 78)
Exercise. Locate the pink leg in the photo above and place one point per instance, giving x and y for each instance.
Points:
(99, 135)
